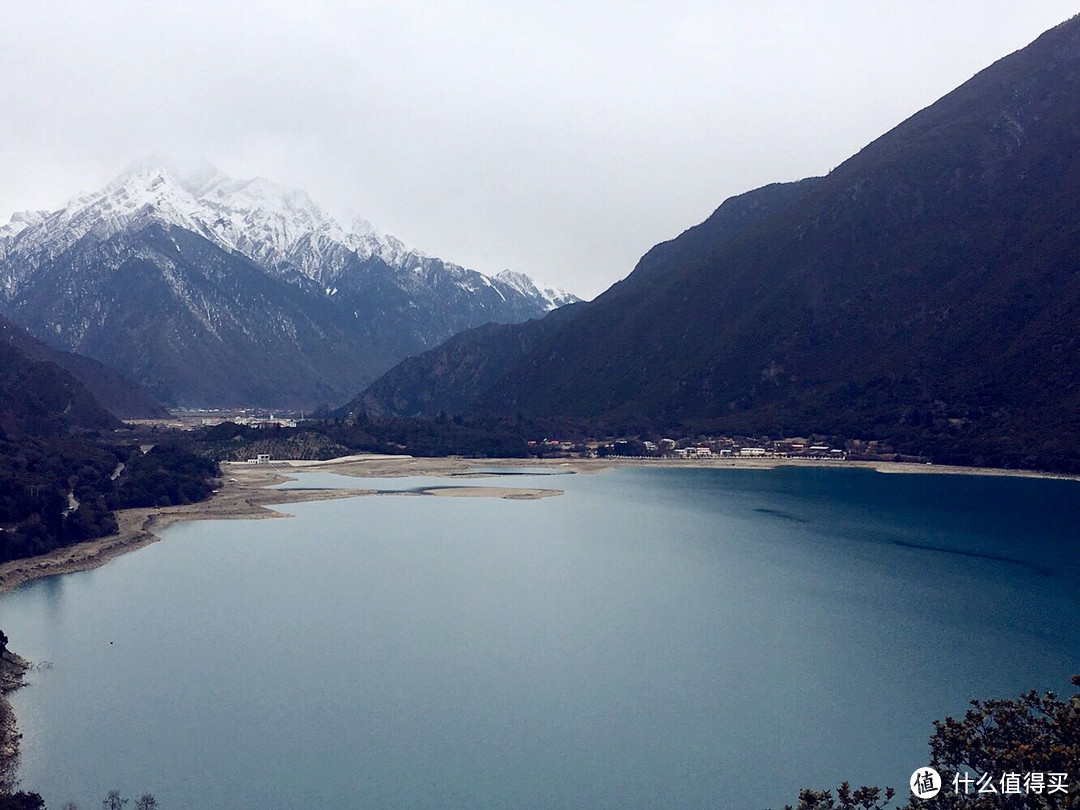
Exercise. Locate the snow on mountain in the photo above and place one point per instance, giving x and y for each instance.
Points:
(132, 199)
(20, 221)
(553, 296)
(211, 290)
(279, 228)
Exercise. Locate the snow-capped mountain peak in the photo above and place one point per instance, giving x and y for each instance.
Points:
(361, 227)
(553, 296)
(280, 228)
(275, 226)
(255, 294)
(195, 176)
(134, 199)
(269, 223)
(20, 221)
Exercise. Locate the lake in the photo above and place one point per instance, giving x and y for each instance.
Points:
(675, 638)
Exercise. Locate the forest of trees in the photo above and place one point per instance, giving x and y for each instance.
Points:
(472, 437)
(55, 492)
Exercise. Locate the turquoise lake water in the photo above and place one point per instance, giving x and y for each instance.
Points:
(657, 638)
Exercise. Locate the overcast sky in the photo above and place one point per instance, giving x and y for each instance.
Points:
(559, 139)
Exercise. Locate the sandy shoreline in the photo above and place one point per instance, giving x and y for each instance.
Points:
(375, 466)
(139, 527)
(244, 495)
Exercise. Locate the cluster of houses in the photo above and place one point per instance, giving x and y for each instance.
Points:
(253, 420)
(668, 447)
(207, 417)
(722, 447)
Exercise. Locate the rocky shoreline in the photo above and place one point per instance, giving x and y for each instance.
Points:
(12, 670)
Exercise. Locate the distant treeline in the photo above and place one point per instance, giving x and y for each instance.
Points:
(477, 437)
(58, 491)
(914, 434)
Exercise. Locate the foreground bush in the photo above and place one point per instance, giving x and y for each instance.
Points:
(1000, 739)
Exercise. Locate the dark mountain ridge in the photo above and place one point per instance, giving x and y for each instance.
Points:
(63, 469)
(114, 392)
(452, 377)
(926, 291)
(39, 398)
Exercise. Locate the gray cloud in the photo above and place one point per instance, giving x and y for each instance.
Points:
(559, 139)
